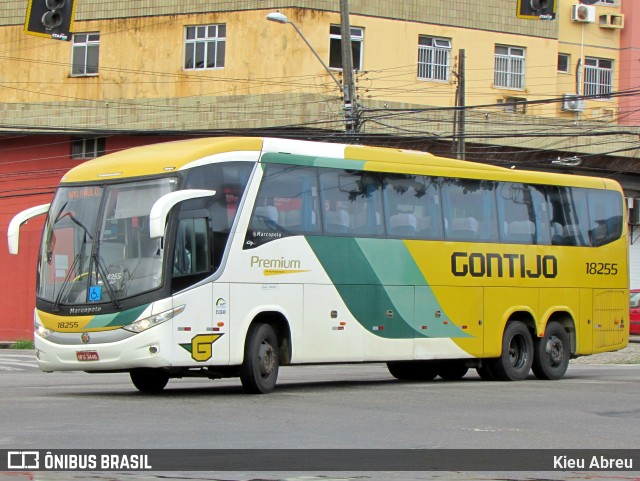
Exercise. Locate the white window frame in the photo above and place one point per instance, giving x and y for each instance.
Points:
(434, 58)
(85, 47)
(83, 148)
(598, 78)
(509, 67)
(203, 43)
(357, 37)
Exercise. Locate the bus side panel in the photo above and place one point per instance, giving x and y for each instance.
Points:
(610, 319)
(330, 333)
(194, 340)
(584, 325)
(460, 320)
(248, 301)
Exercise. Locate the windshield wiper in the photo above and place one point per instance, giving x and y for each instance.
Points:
(65, 283)
(102, 271)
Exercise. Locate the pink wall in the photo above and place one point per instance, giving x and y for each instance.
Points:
(630, 63)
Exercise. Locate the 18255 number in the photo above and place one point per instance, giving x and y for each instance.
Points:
(602, 268)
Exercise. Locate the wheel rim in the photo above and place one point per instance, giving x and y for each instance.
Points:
(555, 350)
(517, 352)
(266, 358)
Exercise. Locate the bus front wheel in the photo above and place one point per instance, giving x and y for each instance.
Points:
(515, 361)
(552, 353)
(259, 370)
(149, 380)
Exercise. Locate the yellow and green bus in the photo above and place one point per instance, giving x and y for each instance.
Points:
(230, 257)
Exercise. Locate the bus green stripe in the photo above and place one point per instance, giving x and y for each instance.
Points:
(310, 161)
(118, 319)
(382, 287)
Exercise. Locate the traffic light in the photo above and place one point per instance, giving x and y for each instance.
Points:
(537, 9)
(50, 18)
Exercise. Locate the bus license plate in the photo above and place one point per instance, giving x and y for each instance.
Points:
(87, 356)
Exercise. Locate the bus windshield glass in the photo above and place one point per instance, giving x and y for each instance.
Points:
(96, 245)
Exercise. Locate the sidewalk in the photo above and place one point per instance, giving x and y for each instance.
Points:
(628, 355)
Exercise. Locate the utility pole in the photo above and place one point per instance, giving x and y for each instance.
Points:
(459, 119)
(351, 113)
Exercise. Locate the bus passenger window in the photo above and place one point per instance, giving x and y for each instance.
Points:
(286, 205)
(605, 221)
(412, 206)
(352, 202)
(470, 209)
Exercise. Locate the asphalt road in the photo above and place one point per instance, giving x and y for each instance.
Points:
(346, 406)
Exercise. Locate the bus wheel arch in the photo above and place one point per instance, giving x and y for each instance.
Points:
(516, 357)
(267, 347)
(554, 348)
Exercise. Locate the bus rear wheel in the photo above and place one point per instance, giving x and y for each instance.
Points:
(413, 370)
(552, 353)
(515, 361)
(259, 370)
(149, 380)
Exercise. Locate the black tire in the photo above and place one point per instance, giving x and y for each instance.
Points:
(149, 380)
(259, 370)
(515, 361)
(413, 370)
(452, 370)
(552, 353)
(485, 372)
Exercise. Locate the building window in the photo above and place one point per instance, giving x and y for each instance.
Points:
(564, 62)
(514, 104)
(204, 47)
(598, 77)
(335, 46)
(434, 58)
(87, 148)
(85, 54)
(509, 67)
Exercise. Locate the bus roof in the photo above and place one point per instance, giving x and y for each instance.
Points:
(157, 158)
(166, 157)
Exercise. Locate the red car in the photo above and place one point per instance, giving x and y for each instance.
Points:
(634, 324)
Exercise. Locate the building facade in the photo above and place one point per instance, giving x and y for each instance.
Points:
(545, 94)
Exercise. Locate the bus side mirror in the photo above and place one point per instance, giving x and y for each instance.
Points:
(13, 232)
(162, 206)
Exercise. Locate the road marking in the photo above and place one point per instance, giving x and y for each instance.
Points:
(15, 361)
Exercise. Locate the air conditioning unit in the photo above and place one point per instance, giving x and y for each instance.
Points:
(583, 13)
(572, 103)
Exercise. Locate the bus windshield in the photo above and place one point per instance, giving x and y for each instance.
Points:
(96, 245)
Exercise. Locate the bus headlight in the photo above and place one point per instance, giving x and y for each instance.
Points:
(148, 322)
(40, 330)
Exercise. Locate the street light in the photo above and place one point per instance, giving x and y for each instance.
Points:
(278, 17)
